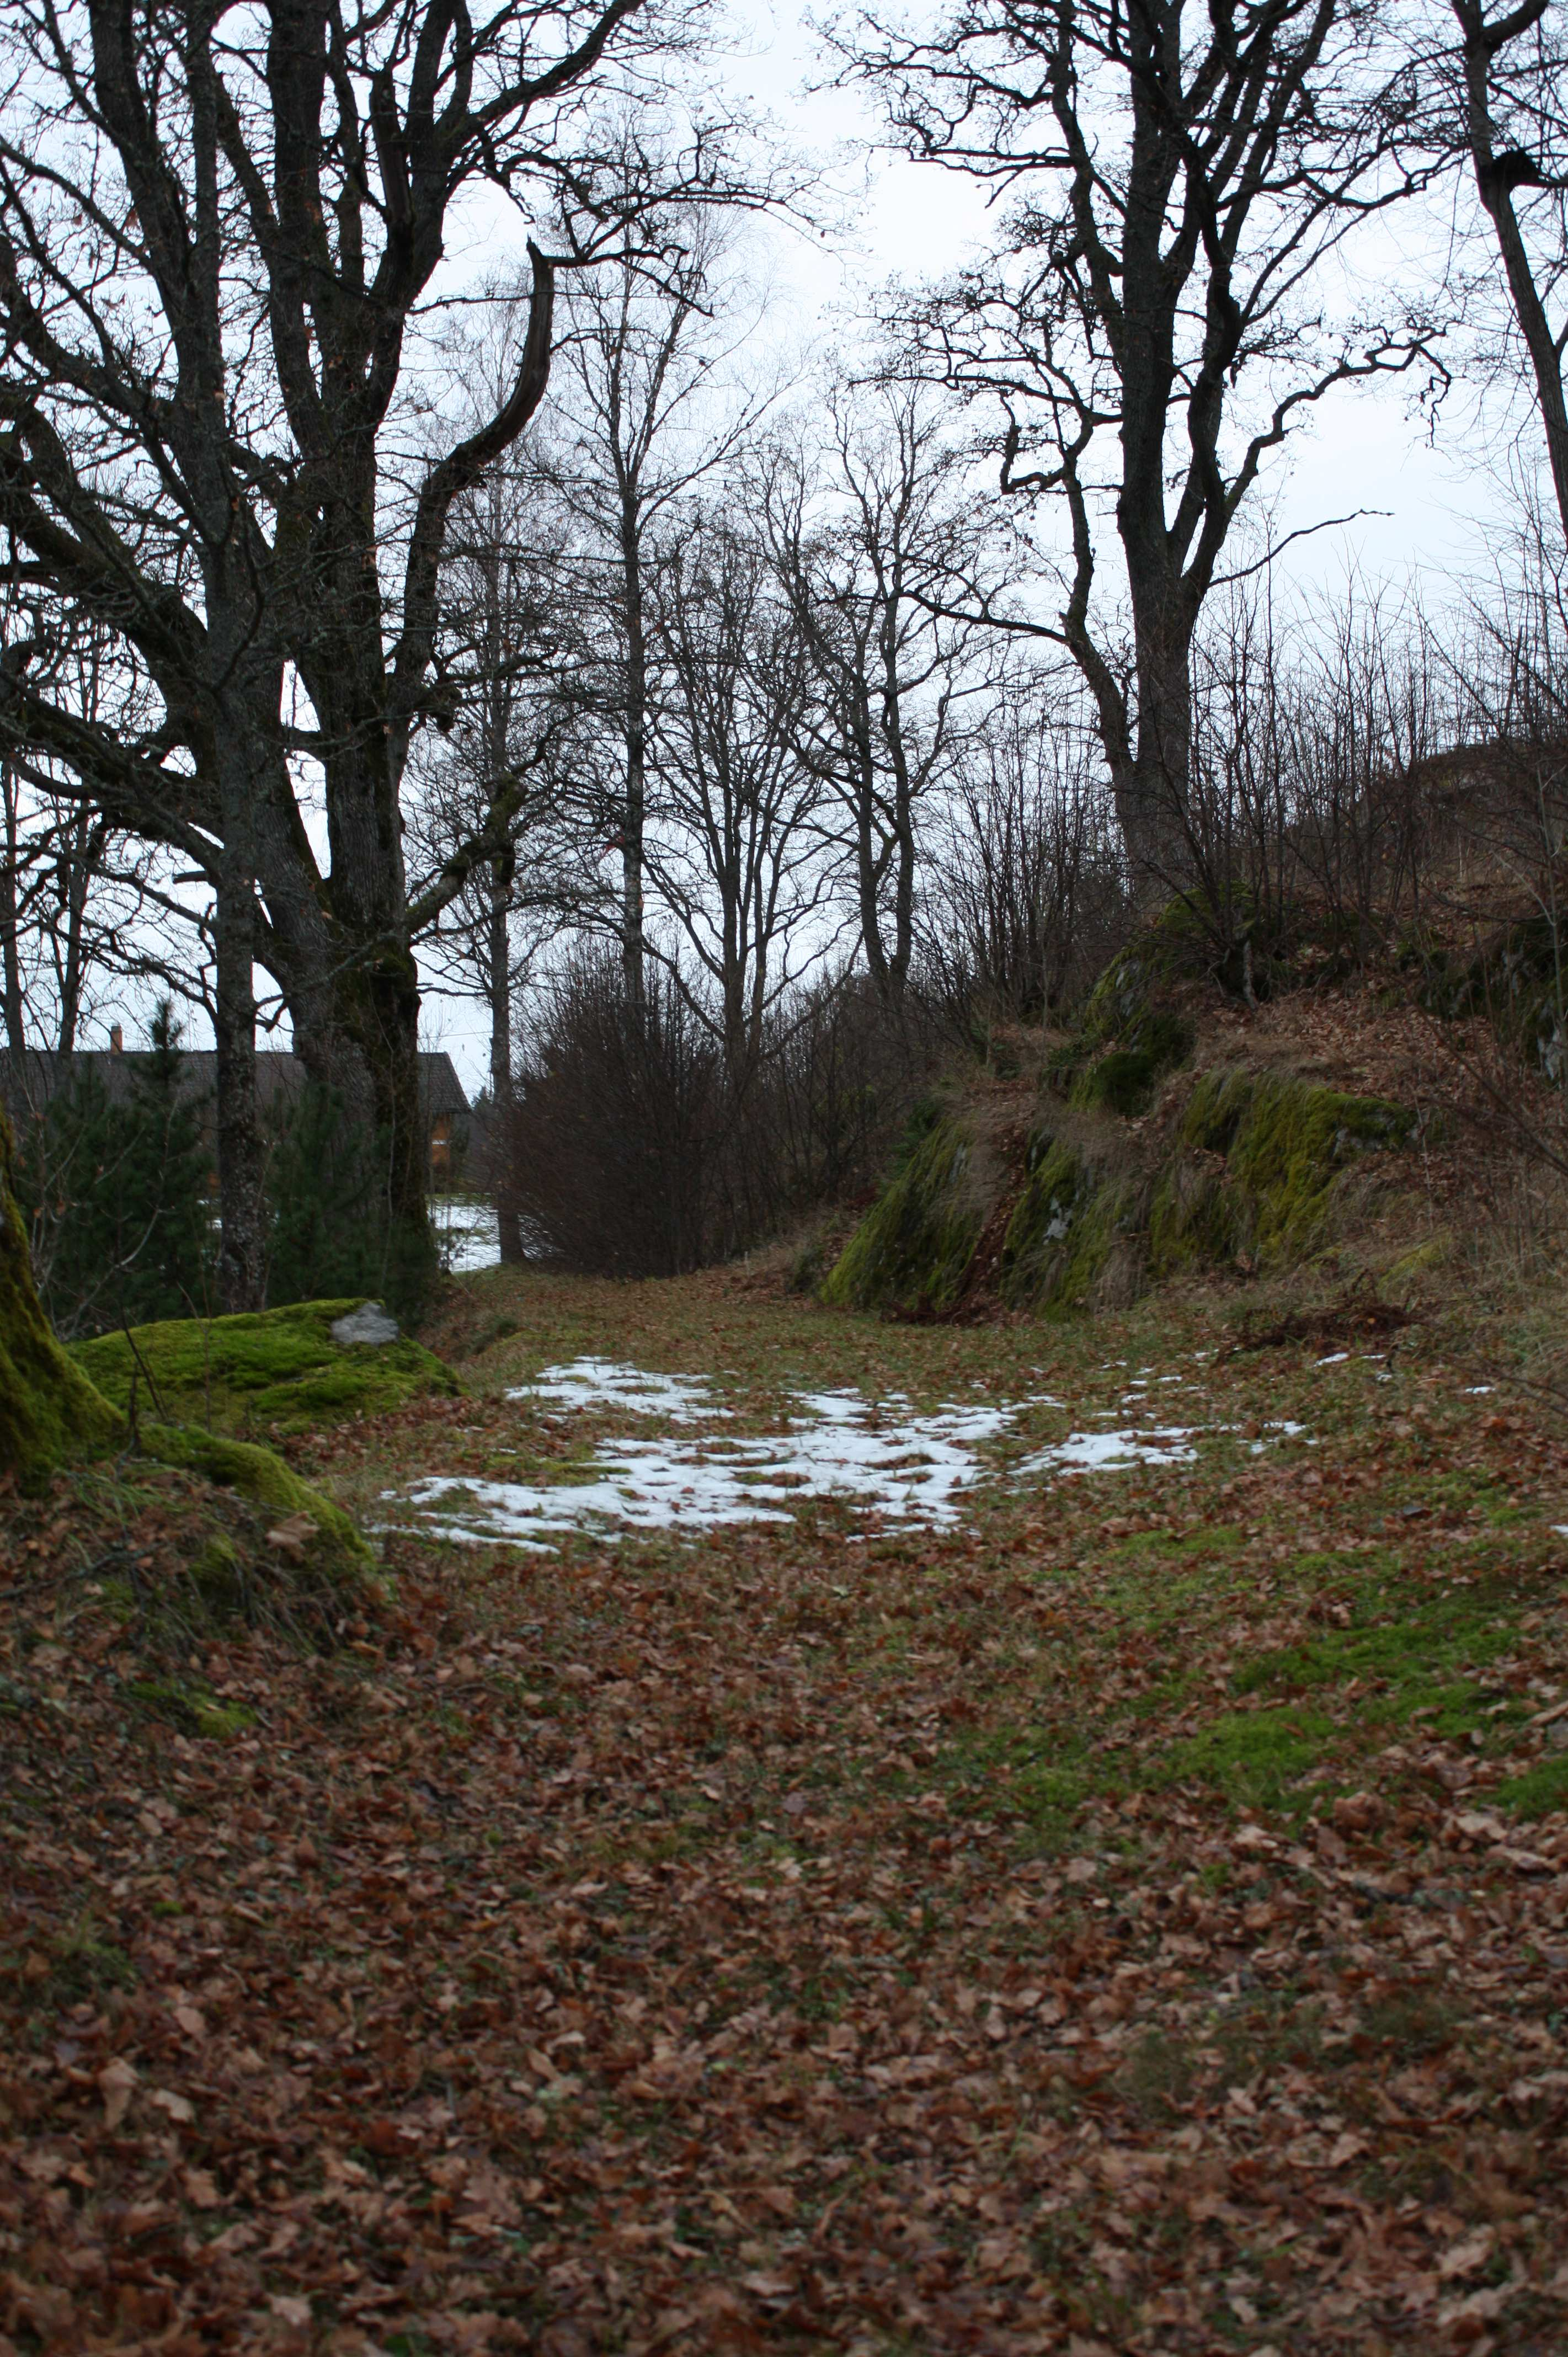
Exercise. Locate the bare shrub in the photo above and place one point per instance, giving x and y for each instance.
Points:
(638, 1151)
(619, 1107)
(1027, 891)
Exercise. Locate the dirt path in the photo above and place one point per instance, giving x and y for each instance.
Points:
(1056, 1841)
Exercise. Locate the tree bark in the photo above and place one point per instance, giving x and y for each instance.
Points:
(10, 947)
(634, 815)
(1482, 42)
(503, 1093)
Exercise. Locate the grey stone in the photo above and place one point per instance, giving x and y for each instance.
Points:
(368, 1323)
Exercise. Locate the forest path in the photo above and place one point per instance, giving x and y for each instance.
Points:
(1057, 1843)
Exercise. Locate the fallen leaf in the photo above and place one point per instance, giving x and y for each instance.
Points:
(117, 2083)
(294, 1535)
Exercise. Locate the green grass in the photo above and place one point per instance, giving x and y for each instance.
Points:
(1256, 1757)
(1540, 1791)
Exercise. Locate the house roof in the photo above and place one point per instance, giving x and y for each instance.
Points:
(27, 1083)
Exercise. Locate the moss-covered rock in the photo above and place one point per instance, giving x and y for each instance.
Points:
(1075, 1237)
(1124, 1081)
(52, 1414)
(49, 1413)
(1255, 1166)
(1287, 1144)
(1196, 1219)
(1127, 1038)
(266, 1370)
(335, 1552)
(911, 1252)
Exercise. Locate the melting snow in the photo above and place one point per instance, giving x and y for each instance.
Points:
(843, 1447)
(599, 1382)
(1095, 1452)
(885, 1455)
(467, 1235)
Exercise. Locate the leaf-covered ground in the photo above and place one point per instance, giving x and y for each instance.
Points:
(1132, 1918)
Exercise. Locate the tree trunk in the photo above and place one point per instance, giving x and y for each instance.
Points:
(49, 1411)
(242, 1260)
(385, 1022)
(509, 1219)
(1481, 45)
(10, 947)
(634, 817)
(1153, 788)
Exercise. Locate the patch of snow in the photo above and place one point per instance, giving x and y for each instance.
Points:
(883, 1455)
(600, 1382)
(844, 1446)
(1335, 1359)
(467, 1235)
(1097, 1452)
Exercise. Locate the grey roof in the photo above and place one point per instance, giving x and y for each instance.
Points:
(27, 1083)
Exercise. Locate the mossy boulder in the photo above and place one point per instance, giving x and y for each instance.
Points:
(911, 1252)
(332, 1552)
(1128, 1038)
(1125, 1080)
(266, 1370)
(53, 1414)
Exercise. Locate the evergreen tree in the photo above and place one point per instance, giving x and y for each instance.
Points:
(115, 1193)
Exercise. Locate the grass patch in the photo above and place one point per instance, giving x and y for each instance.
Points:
(1424, 1661)
(1255, 1756)
(1540, 1792)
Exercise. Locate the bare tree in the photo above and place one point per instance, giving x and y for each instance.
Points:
(219, 241)
(1150, 323)
(646, 410)
(737, 862)
(871, 544)
(504, 659)
(1027, 883)
(1515, 69)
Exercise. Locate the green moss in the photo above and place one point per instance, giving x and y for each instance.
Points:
(1193, 1218)
(1123, 1081)
(1042, 1221)
(1074, 1238)
(192, 1709)
(1286, 1146)
(912, 1250)
(337, 1553)
(49, 1412)
(272, 1369)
